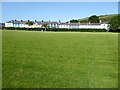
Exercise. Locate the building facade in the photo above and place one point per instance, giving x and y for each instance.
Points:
(38, 24)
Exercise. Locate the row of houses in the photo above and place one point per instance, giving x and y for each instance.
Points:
(52, 24)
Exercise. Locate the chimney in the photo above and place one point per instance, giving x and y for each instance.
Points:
(59, 21)
(35, 20)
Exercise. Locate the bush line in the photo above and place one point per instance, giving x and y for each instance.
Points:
(57, 29)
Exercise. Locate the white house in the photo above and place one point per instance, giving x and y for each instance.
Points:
(9, 24)
(38, 24)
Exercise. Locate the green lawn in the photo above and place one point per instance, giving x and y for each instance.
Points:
(33, 59)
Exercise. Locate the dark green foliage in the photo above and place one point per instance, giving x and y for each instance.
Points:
(115, 23)
(31, 29)
(84, 21)
(76, 30)
(74, 21)
(103, 18)
(59, 29)
(29, 23)
(94, 19)
(112, 30)
(45, 26)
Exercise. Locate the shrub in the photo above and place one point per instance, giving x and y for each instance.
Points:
(58, 29)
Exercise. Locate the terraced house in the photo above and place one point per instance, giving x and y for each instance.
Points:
(51, 24)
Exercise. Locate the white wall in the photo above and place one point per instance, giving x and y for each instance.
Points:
(90, 26)
(32, 26)
(102, 26)
(8, 24)
(105, 26)
(22, 25)
(63, 26)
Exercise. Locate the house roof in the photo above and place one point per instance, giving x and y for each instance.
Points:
(16, 22)
(10, 21)
(46, 22)
(51, 22)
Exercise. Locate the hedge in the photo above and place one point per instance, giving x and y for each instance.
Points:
(118, 30)
(76, 30)
(58, 29)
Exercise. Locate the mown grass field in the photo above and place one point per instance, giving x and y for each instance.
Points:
(59, 59)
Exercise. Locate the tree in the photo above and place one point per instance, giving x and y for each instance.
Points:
(115, 23)
(45, 26)
(93, 19)
(29, 23)
(74, 21)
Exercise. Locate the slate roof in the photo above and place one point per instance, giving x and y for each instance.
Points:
(52, 22)
(10, 21)
(16, 22)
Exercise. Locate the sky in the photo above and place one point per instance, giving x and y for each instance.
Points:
(55, 11)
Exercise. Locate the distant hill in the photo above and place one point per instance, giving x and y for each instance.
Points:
(104, 18)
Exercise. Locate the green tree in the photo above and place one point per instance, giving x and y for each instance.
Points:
(114, 23)
(93, 19)
(74, 21)
(29, 23)
(45, 26)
